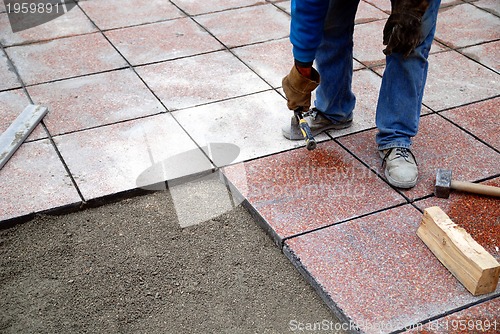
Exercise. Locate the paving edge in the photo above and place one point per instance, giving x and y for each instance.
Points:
(336, 310)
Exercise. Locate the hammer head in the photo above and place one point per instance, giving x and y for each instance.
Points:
(443, 183)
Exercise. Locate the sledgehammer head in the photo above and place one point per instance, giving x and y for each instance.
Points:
(443, 183)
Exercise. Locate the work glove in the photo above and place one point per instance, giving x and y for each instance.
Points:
(298, 85)
(402, 31)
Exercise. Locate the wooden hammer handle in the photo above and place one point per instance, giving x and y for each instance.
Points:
(475, 188)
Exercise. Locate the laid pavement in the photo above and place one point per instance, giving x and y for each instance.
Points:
(144, 91)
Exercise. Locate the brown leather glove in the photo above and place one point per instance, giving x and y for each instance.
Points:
(298, 87)
(402, 31)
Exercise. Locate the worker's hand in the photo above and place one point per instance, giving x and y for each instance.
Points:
(402, 32)
(298, 85)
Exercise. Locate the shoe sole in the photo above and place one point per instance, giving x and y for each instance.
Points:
(339, 126)
(398, 184)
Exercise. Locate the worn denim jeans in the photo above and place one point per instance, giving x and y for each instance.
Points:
(400, 96)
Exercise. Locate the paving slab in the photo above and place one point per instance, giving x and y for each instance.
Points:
(367, 13)
(478, 215)
(114, 159)
(376, 273)
(49, 185)
(180, 83)
(435, 146)
(203, 7)
(271, 60)
(247, 25)
(449, 3)
(285, 5)
(368, 43)
(478, 118)
(479, 27)
(64, 58)
(486, 54)
(121, 96)
(253, 123)
(489, 5)
(481, 318)
(449, 85)
(74, 22)
(368, 46)
(365, 86)
(381, 4)
(8, 77)
(310, 190)
(12, 103)
(166, 40)
(128, 12)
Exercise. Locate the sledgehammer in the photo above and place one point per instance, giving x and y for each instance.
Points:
(444, 184)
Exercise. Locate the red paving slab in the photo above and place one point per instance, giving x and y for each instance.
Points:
(201, 7)
(247, 25)
(166, 40)
(479, 119)
(377, 273)
(64, 58)
(74, 22)
(8, 78)
(486, 54)
(489, 5)
(438, 144)
(365, 86)
(268, 59)
(449, 85)
(73, 107)
(112, 159)
(482, 318)
(478, 215)
(480, 26)
(368, 12)
(12, 103)
(128, 12)
(285, 5)
(49, 185)
(180, 83)
(381, 4)
(252, 123)
(311, 189)
(368, 44)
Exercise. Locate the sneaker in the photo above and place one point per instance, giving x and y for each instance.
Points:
(318, 124)
(400, 167)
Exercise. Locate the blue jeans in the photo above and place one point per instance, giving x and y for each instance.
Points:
(400, 97)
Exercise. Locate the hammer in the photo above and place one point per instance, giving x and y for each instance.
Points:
(305, 129)
(444, 183)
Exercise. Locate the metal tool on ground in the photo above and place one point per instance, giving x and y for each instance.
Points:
(305, 129)
(19, 130)
(469, 262)
(444, 184)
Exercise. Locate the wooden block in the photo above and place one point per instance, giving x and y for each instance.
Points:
(468, 261)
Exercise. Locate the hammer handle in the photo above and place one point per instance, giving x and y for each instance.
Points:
(306, 130)
(475, 188)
